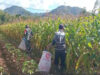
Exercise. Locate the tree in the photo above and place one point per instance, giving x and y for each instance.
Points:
(96, 6)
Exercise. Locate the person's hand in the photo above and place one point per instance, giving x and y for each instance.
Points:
(48, 46)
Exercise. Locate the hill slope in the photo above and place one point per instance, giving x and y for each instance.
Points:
(16, 10)
(63, 10)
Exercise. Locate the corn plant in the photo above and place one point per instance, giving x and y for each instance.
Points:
(29, 67)
(82, 39)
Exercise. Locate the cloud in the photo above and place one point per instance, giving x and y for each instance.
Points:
(2, 6)
(42, 4)
(46, 4)
(89, 4)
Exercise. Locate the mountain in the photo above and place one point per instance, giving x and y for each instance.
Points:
(16, 10)
(63, 10)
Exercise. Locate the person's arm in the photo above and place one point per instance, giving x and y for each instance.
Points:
(53, 43)
(31, 33)
(25, 33)
(54, 40)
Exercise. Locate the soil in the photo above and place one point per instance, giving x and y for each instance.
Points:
(10, 66)
(7, 62)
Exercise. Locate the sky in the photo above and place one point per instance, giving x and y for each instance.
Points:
(46, 5)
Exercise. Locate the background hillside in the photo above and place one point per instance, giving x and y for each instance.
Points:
(61, 10)
(65, 10)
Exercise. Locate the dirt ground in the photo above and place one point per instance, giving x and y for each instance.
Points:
(7, 62)
(11, 68)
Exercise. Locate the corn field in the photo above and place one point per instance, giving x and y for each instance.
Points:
(82, 39)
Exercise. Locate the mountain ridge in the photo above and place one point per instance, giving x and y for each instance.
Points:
(61, 10)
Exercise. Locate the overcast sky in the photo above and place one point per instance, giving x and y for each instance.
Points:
(45, 5)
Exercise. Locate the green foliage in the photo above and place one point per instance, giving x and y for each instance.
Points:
(4, 17)
(82, 39)
(1, 69)
(29, 67)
